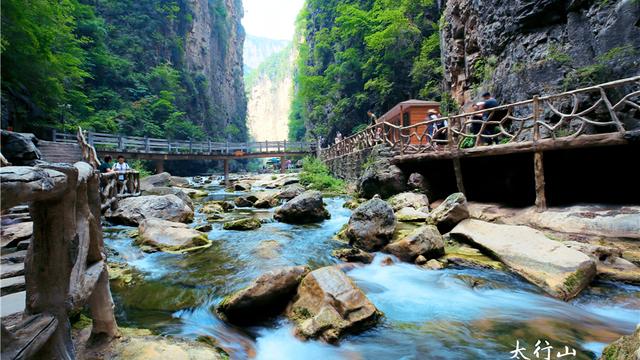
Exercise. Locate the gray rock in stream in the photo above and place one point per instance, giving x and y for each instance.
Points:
(266, 296)
(424, 241)
(303, 209)
(560, 271)
(371, 225)
(131, 211)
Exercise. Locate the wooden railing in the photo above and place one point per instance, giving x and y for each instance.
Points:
(66, 267)
(111, 186)
(595, 109)
(119, 143)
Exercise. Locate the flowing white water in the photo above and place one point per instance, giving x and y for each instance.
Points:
(445, 314)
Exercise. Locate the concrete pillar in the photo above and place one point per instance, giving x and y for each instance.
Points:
(159, 166)
(283, 166)
(226, 172)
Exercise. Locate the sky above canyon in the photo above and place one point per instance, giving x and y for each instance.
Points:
(272, 19)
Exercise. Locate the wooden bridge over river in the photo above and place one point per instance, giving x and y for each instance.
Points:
(603, 117)
(159, 150)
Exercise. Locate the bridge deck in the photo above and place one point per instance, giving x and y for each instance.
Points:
(163, 149)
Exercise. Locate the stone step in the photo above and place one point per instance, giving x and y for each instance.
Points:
(60, 152)
(12, 285)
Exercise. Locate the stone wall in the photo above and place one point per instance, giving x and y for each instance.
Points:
(351, 167)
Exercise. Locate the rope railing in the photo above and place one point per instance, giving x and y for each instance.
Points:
(595, 109)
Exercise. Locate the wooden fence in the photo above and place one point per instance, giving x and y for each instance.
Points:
(596, 109)
(119, 143)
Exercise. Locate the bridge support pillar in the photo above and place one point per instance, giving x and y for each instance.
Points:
(457, 169)
(226, 172)
(283, 165)
(538, 168)
(159, 166)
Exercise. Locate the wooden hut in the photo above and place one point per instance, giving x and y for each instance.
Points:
(408, 113)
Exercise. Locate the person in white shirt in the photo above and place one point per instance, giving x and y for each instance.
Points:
(121, 167)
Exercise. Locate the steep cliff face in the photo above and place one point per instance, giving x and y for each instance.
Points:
(270, 89)
(526, 47)
(214, 50)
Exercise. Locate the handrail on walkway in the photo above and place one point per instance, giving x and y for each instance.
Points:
(594, 109)
(139, 144)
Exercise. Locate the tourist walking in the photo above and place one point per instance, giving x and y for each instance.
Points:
(372, 117)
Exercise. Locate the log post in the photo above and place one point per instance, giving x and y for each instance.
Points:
(457, 169)
(159, 166)
(283, 167)
(538, 164)
(226, 172)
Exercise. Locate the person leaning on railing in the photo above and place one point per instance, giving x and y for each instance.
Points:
(122, 168)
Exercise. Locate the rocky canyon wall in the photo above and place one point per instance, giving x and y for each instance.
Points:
(213, 49)
(525, 47)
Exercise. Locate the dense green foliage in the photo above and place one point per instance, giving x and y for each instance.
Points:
(360, 55)
(108, 65)
(316, 175)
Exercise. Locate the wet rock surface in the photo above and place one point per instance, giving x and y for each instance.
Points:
(242, 224)
(305, 208)
(266, 296)
(157, 180)
(450, 212)
(162, 235)
(557, 269)
(424, 241)
(290, 191)
(20, 148)
(408, 200)
(371, 225)
(165, 190)
(328, 304)
(131, 211)
(353, 255)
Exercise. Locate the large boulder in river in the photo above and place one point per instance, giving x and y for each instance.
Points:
(165, 190)
(560, 271)
(408, 199)
(266, 296)
(383, 179)
(169, 236)
(20, 148)
(425, 240)
(304, 208)
(156, 180)
(371, 225)
(328, 304)
(131, 211)
(450, 212)
(290, 191)
(178, 181)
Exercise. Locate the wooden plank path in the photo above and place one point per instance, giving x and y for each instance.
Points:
(165, 149)
(595, 116)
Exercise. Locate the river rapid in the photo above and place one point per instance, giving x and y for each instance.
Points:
(454, 313)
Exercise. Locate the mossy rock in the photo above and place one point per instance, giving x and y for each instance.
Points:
(242, 224)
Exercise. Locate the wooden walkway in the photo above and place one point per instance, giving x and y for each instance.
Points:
(600, 115)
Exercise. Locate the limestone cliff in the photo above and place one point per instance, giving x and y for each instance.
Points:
(526, 47)
(270, 89)
(213, 49)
